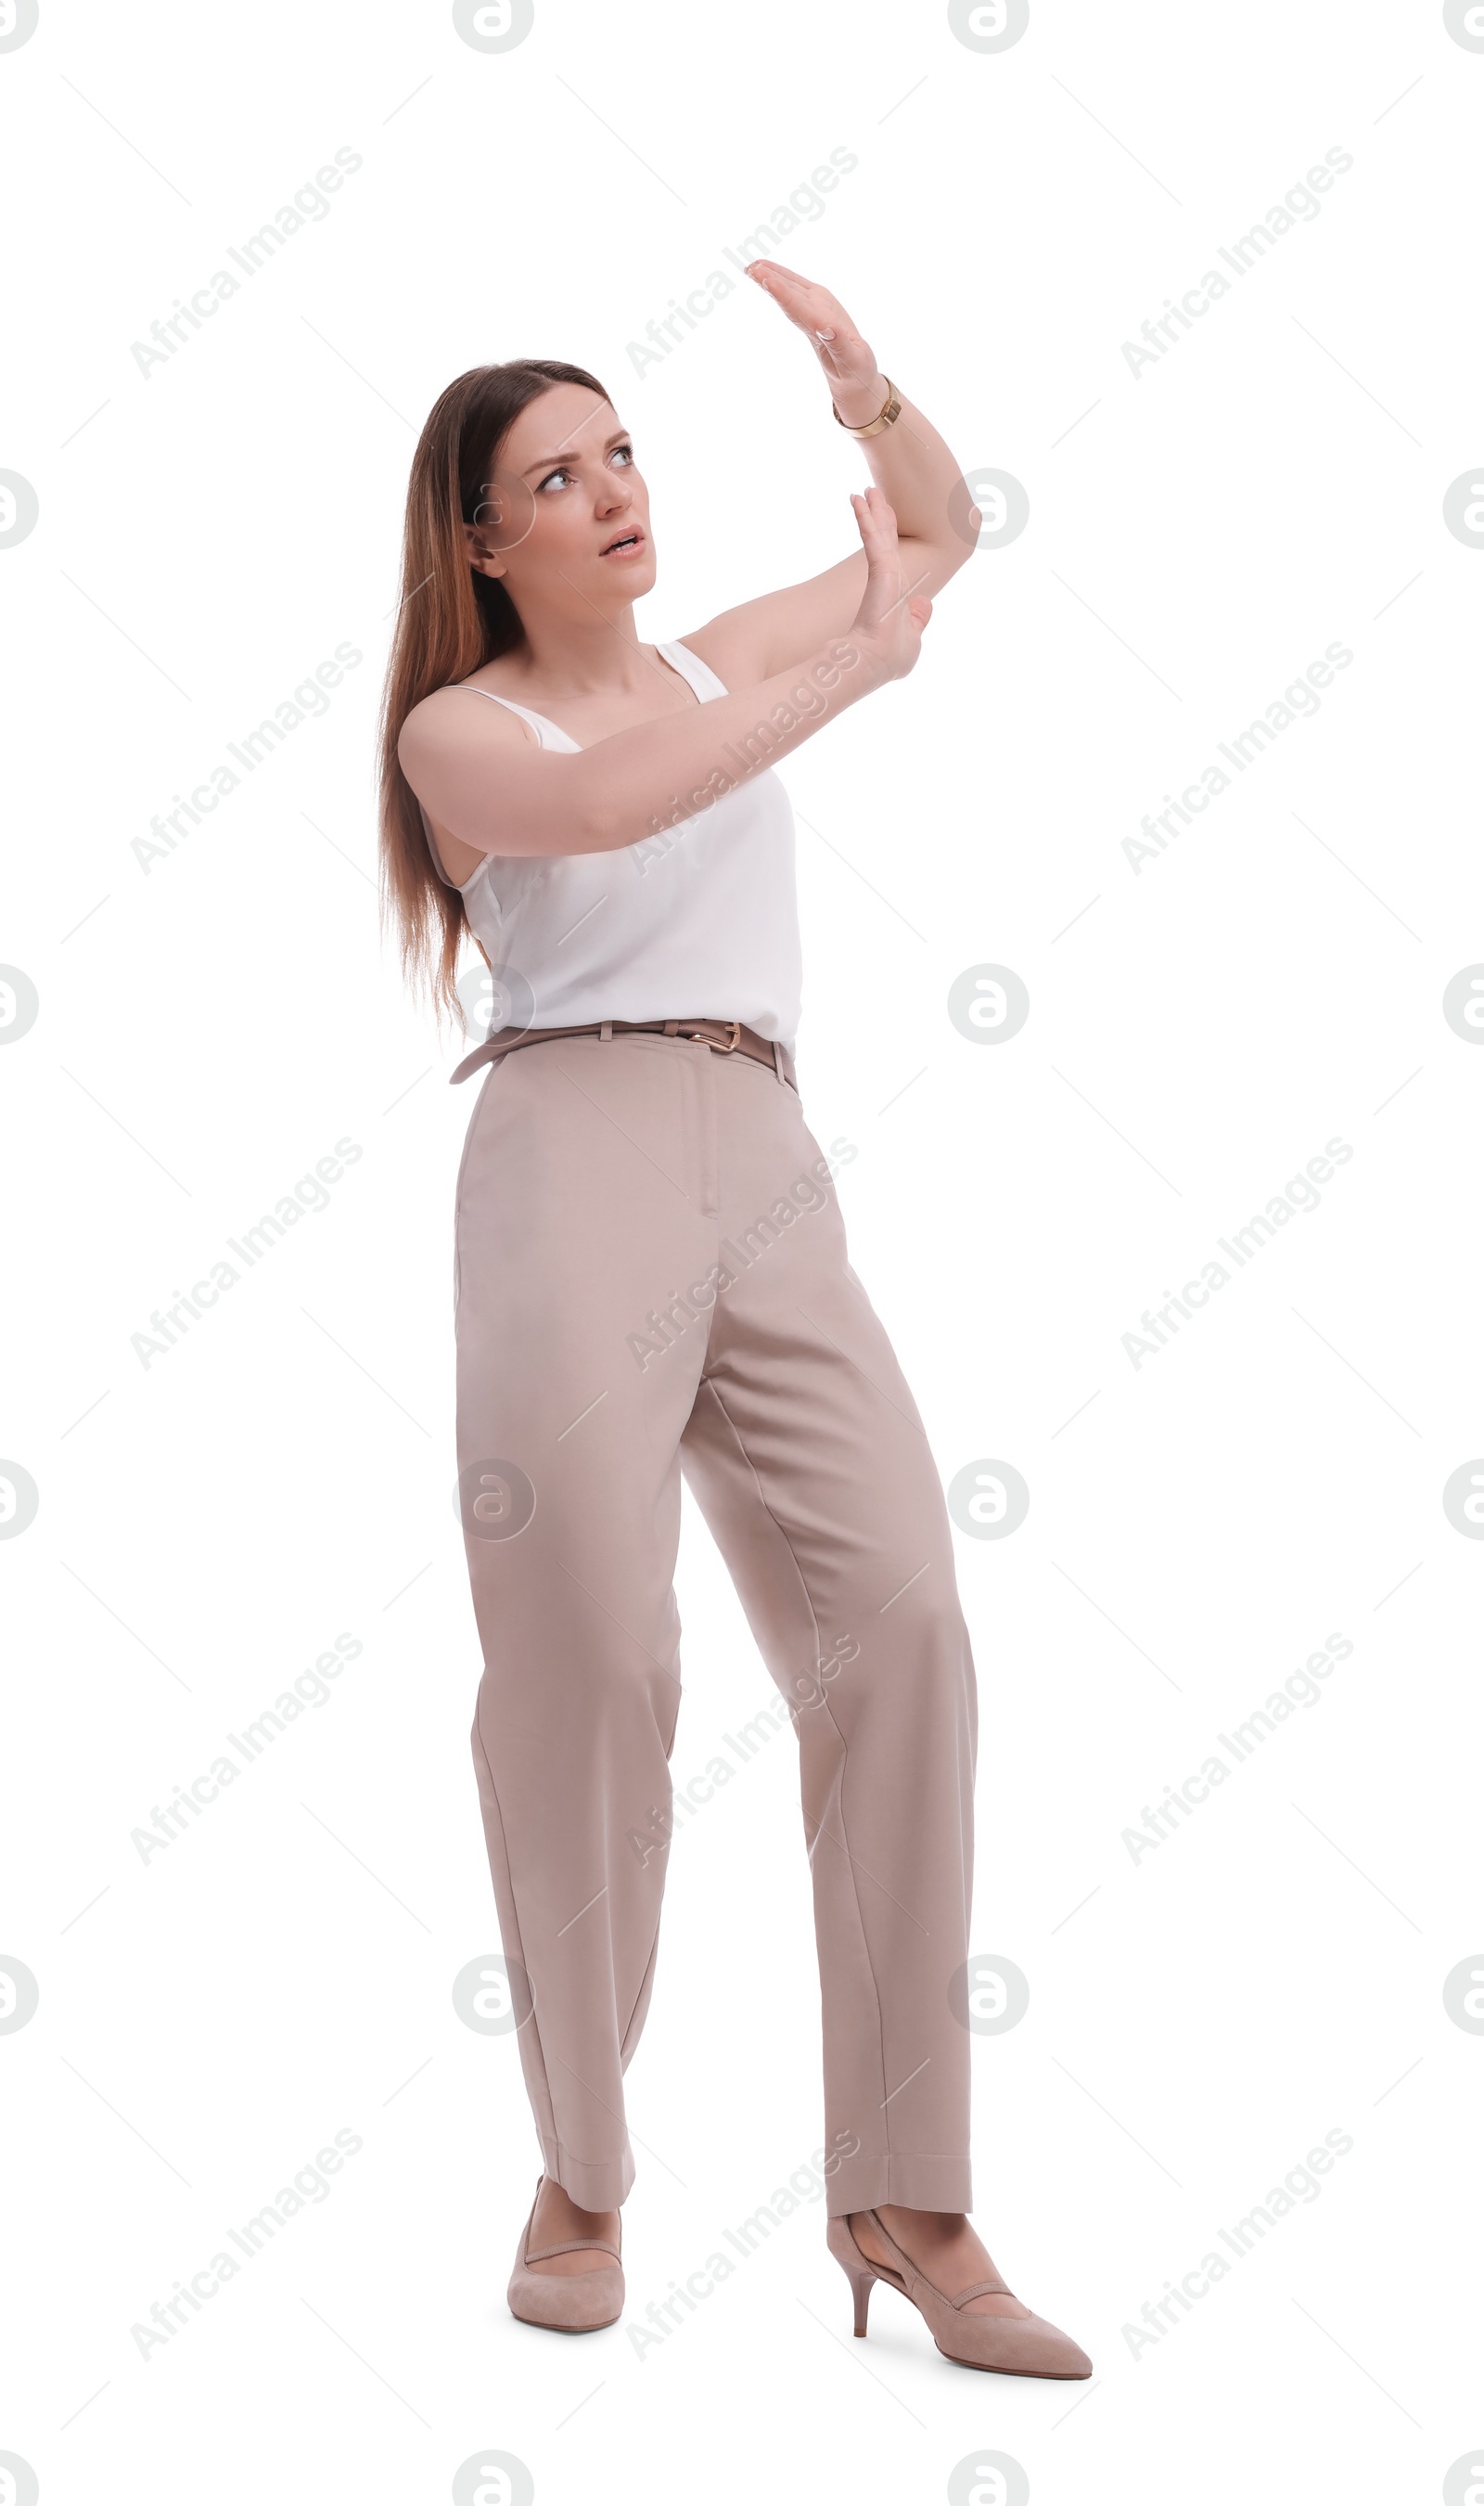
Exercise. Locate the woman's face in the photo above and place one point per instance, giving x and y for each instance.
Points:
(566, 517)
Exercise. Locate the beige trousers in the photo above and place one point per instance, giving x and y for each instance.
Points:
(653, 1279)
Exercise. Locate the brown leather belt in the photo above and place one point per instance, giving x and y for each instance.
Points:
(724, 1035)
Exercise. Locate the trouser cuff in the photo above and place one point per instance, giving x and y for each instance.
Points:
(593, 2184)
(932, 2183)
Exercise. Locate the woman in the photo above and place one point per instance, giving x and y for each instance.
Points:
(651, 1278)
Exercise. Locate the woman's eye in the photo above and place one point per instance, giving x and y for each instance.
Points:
(626, 451)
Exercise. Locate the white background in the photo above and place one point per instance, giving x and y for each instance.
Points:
(208, 1029)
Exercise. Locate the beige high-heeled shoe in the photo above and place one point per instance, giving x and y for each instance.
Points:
(566, 2300)
(1004, 2344)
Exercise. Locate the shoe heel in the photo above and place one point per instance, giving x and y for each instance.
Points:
(859, 2274)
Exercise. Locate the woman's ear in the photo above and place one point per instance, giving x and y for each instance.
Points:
(484, 559)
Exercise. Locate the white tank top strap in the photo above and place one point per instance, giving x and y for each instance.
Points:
(699, 674)
(537, 721)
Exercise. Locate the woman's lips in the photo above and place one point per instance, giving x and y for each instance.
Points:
(631, 545)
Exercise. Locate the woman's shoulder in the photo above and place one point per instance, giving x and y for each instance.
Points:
(456, 714)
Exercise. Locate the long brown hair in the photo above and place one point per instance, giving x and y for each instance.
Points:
(451, 620)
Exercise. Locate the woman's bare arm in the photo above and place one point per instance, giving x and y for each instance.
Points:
(478, 775)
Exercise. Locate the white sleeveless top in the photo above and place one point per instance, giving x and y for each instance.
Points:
(698, 922)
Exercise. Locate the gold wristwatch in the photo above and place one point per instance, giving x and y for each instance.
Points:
(886, 416)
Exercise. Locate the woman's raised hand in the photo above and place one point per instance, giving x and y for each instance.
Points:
(887, 627)
(847, 360)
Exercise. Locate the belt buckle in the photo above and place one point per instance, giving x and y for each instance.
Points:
(735, 1025)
